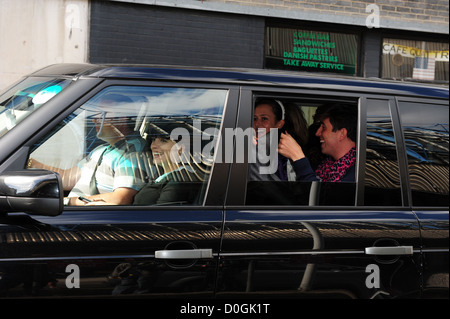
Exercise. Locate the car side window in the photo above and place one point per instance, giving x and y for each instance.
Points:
(425, 129)
(301, 162)
(382, 177)
(135, 146)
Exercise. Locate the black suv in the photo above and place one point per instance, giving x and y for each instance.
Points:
(206, 228)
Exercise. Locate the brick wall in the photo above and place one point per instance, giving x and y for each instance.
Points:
(409, 11)
(136, 33)
(145, 32)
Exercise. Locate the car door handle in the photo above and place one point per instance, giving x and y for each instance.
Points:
(394, 250)
(184, 254)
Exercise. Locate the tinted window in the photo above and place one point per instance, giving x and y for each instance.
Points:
(19, 101)
(382, 181)
(425, 129)
(135, 145)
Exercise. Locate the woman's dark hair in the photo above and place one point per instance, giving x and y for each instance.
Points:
(295, 123)
(313, 149)
(294, 119)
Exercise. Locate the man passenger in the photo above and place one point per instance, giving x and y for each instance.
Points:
(337, 133)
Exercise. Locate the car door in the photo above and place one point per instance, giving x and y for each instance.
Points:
(286, 239)
(425, 130)
(168, 247)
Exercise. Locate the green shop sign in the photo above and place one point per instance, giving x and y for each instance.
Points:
(292, 49)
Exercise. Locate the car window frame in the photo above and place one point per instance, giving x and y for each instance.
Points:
(239, 171)
(408, 189)
(17, 140)
(219, 173)
(236, 195)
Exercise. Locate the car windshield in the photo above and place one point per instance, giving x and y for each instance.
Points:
(19, 101)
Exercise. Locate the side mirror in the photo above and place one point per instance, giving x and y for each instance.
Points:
(33, 191)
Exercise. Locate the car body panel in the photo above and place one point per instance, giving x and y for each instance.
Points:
(38, 252)
(288, 244)
(263, 251)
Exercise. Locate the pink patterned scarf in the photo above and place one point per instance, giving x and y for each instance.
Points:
(333, 171)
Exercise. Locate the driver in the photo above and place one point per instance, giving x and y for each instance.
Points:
(111, 172)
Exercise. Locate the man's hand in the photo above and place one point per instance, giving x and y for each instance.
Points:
(120, 196)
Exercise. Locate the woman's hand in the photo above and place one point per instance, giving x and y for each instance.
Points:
(289, 148)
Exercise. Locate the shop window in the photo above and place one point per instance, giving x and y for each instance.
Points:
(313, 51)
(415, 60)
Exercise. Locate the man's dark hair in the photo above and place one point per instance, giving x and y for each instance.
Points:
(341, 116)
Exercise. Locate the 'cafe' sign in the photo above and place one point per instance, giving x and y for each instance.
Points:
(412, 52)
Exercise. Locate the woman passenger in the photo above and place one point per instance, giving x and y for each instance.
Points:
(270, 115)
(178, 181)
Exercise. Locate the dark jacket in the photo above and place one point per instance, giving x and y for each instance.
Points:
(304, 172)
(178, 187)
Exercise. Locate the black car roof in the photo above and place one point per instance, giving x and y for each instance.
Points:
(247, 76)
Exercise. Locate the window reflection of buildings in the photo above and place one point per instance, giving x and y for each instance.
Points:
(427, 152)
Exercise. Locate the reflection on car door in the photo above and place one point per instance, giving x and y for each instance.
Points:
(115, 252)
(319, 253)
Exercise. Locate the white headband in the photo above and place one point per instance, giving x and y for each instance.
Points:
(282, 109)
